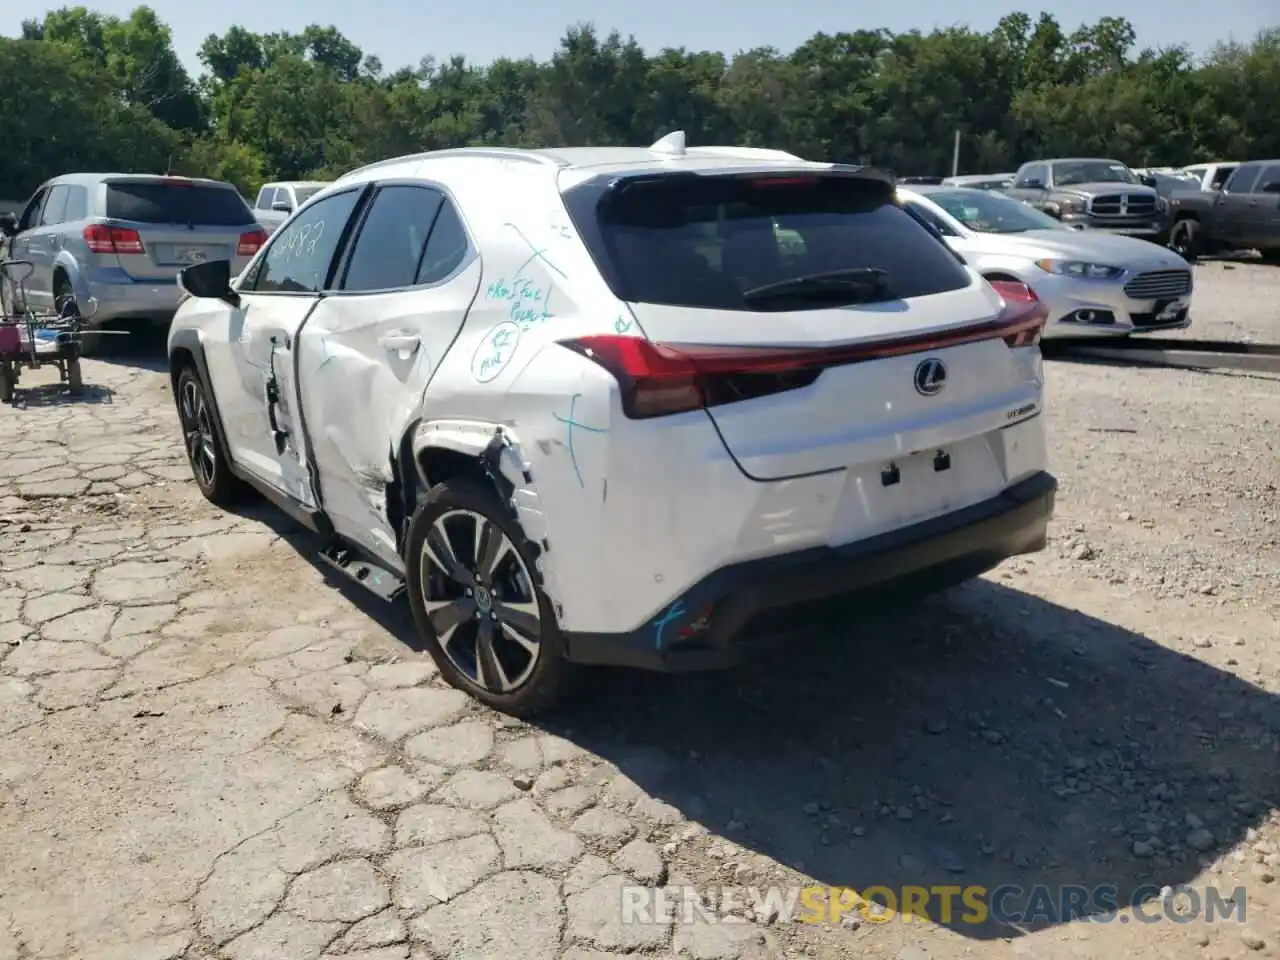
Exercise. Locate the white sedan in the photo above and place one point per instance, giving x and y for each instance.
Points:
(1092, 283)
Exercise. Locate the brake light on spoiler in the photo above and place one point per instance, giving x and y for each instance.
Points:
(659, 379)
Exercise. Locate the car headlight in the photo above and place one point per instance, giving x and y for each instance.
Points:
(1070, 206)
(1081, 269)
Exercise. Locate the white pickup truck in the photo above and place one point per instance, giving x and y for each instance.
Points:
(276, 201)
(1211, 176)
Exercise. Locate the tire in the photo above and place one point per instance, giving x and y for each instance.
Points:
(75, 381)
(90, 342)
(1186, 240)
(8, 381)
(203, 441)
(1270, 256)
(506, 673)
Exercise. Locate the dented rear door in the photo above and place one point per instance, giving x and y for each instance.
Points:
(371, 346)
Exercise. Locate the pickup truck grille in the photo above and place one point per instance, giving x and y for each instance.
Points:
(1159, 285)
(1121, 204)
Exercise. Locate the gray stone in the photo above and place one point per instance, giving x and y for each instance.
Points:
(380, 930)
(283, 937)
(241, 891)
(430, 823)
(514, 914)
(325, 693)
(460, 745)
(90, 625)
(595, 915)
(1201, 840)
(529, 839)
(404, 673)
(570, 801)
(586, 872)
(54, 605)
(389, 788)
(641, 859)
(44, 656)
(425, 876)
(725, 939)
(329, 828)
(478, 790)
(348, 890)
(604, 826)
(393, 714)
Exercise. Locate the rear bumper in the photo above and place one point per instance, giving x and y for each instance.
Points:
(738, 610)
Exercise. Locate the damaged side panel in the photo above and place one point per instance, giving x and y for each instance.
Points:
(364, 364)
(498, 452)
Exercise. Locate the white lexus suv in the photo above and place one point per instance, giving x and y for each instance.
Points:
(637, 406)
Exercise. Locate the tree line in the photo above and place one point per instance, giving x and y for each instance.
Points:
(83, 91)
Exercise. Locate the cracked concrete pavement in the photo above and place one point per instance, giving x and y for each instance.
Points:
(209, 749)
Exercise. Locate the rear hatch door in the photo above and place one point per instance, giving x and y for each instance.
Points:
(179, 222)
(695, 259)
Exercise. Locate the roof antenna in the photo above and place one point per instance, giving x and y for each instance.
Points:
(672, 144)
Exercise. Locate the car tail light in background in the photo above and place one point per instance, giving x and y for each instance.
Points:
(659, 379)
(250, 243)
(119, 240)
(1022, 311)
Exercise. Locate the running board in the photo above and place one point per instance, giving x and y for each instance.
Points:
(353, 564)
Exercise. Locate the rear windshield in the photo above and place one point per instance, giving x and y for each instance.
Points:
(704, 241)
(156, 202)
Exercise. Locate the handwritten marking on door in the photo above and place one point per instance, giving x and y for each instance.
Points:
(495, 351)
(570, 422)
(530, 303)
(622, 324)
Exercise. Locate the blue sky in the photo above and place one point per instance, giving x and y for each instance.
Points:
(401, 32)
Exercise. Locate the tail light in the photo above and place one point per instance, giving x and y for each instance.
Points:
(105, 239)
(1023, 312)
(250, 243)
(660, 379)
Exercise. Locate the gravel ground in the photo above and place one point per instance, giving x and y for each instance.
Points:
(210, 750)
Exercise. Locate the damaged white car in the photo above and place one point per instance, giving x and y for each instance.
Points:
(636, 406)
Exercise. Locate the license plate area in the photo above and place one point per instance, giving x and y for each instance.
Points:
(183, 254)
(880, 497)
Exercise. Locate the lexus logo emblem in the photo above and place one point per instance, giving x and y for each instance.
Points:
(930, 377)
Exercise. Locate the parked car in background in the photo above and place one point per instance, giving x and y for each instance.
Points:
(981, 181)
(921, 180)
(1243, 215)
(1092, 283)
(1211, 176)
(276, 201)
(1093, 194)
(1165, 181)
(122, 238)
(476, 369)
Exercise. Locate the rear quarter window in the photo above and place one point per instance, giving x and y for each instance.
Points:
(704, 241)
(178, 202)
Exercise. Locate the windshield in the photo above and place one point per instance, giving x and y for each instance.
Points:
(988, 212)
(305, 193)
(1091, 171)
(709, 241)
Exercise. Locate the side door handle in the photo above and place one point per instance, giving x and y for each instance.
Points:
(400, 340)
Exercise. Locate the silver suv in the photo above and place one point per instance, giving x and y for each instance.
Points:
(122, 238)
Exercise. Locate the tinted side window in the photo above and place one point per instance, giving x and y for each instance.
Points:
(299, 255)
(711, 242)
(265, 197)
(389, 246)
(927, 216)
(1244, 178)
(29, 215)
(1038, 171)
(1269, 182)
(77, 204)
(446, 247)
(54, 207)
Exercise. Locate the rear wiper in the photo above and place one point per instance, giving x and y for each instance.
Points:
(854, 285)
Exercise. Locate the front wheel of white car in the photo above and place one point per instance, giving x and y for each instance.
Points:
(476, 600)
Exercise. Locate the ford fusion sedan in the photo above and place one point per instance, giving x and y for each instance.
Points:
(1093, 283)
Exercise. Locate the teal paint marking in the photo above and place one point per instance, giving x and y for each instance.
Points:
(538, 254)
(622, 324)
(674, 613)
(570, 422)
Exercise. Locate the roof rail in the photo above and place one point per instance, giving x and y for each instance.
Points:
(491, 153)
